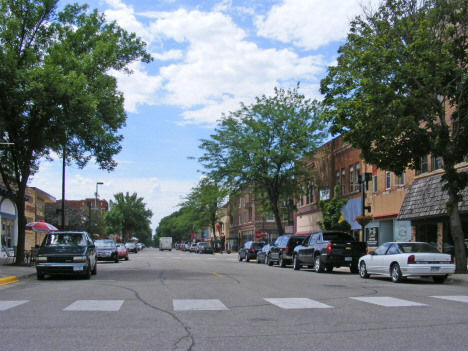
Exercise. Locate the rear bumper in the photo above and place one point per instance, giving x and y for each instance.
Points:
(427, 270)
(340, 261)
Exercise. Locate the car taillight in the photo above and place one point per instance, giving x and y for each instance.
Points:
(286, 249)
(329, 248)
(367, 250)
(411, 259)
(252, 249)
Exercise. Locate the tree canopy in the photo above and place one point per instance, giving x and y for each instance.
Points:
(129, 214)
(331, 213)
(56, 91)
(259, 148)
(399, 92)
(177, 225)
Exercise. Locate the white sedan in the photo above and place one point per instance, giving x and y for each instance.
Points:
(399, 260)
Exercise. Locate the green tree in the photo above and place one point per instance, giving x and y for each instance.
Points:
(178, 225)
(204, 205)
(257, 148)
(331, 213)
(129, 213)
(400, 92)
(56, 90)
(76, 220)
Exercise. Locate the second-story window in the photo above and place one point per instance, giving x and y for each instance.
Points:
(436, 163)
(424, 168)
(343, 181)
(337, 179)
(357, 173)
(250, 214)
(374, 184)
(351, 178)
(388, 183)
(400, 180)
(270, 218)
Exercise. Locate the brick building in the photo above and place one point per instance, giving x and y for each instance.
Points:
(34, 212)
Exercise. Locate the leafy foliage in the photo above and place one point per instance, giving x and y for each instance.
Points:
(177, 226)
(257, 148)
(56, 90)
(399, 91)
(331, 213)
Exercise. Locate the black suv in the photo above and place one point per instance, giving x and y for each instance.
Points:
(282, 250)
(249, 250)
(71, 253)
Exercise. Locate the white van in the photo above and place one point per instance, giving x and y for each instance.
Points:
(165, 243)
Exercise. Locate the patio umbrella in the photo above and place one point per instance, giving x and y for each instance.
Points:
(41, 227)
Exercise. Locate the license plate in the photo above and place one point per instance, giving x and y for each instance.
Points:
(348, 259)
(78, 268)
(435, 269)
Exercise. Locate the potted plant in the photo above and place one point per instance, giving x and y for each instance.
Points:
(364, 220)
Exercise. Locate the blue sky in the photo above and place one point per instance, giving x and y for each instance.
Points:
(208, 57)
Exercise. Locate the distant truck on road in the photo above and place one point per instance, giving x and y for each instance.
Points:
(165, 243)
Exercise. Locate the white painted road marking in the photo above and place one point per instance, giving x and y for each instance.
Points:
(95, 305)
(453, 298)
(6, 305)
(199, 305)
(295, 303)
(388, 301)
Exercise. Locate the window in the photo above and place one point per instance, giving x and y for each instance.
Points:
(337, 179)
(250, 214)
(270, 218)
(400, 180)
(310, 193)
(240, 220)
(357, 173)
(302, 200)
(343, 181)
(324, 193)
(244, 217)
(436, 163)
(374, 184)
(424, 164)
(351, 179)
(240, 202)
(388, 183)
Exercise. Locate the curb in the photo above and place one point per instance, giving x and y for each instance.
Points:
(8, 280)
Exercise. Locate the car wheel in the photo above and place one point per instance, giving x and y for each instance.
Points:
(296, 264)
(247, 258)
(363, 270)
(40, 276)
(87, 274)
(281, 262)
(354, 268)
(126, 258)
(329, 268)
(396, 273)
(439, 279)
(239, 257)
(94, 271)
(116, 258)
(268, 258)
(319, 268)
(257, 259)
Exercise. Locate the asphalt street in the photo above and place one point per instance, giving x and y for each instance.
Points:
(182, 301)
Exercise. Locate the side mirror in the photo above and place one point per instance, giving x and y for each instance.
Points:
(92, 246)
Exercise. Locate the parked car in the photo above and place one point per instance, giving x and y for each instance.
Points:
(281, 251)
(131, 247)
(447, 248)
(193, 247)
(71, 253)
(186, 247)
(140, 246)
(106, 250)
(400, 260)
(262, 255)
(122, 251)
(249, 250)
(205, 249)
(197, 247)
(329, 249)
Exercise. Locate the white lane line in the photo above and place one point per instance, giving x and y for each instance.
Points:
(297, 303)
(453, 298)
(95, 305)
(6, 305)
(199, 305)
(176, 257)
(388, 301)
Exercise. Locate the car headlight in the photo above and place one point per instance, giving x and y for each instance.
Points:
(80, 259)
(41, 259)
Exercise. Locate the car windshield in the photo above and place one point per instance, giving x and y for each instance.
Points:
(121, 247)
(258, 245)
(417, 247)
(103, 243)
(337, 237)
(130, 244)
(65, 240)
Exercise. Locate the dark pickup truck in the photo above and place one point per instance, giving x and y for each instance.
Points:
(329, 249)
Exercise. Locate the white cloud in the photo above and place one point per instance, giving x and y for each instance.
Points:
(308, 24)
(168, 55)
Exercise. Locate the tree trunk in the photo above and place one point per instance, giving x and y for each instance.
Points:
(19, 201)
(457, 234)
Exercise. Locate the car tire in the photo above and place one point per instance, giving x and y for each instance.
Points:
(126, 258)
(94, 270)
(257, 259)
(439, 279)
(116, 258)
(395, 273)
(268, 258)
(363, 270)
(87, 274)
(239, 257)
(319, 267)
(281, 262)
(40, 276)
(354, 268)
(247, 258)
(296, 264)
(329, 268)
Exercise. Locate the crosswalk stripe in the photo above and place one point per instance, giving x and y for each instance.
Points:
(387, 301)
(95, 305)
(199, 305)
(6, 305)
(453, 298)
(295, 303)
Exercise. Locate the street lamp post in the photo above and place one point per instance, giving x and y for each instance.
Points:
(95, 203)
